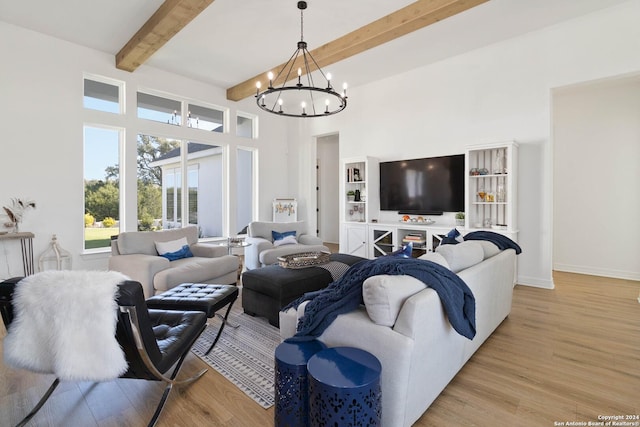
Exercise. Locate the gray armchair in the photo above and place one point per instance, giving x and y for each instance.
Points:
(134, 254)
(262, 251)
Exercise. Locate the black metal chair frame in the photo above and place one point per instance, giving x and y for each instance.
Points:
(131, 327)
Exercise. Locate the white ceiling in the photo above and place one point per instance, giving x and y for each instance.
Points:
(233, 40)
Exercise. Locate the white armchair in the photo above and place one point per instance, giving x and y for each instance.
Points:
(263, 252)
(134, 254)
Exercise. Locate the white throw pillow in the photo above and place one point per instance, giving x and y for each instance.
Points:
(171, 246)
(463, 255)
(435, 257)
(490, 249)
(384, 296)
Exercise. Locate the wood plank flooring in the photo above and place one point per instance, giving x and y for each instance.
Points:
(568, 354)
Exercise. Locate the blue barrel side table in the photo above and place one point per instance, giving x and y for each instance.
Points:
(291, 383)
(344, 388)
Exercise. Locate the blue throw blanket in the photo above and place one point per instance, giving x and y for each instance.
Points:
(345, 295)
(501, 241)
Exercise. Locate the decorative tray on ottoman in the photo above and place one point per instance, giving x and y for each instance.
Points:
(304, 259)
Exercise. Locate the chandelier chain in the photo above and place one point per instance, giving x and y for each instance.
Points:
(301, 25)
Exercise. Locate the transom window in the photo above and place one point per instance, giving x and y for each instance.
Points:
(102, 96)
(159, 109)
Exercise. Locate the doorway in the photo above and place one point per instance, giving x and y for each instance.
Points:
(327, 188)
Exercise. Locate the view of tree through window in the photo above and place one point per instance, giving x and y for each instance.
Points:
(152, 151)
(101, 186)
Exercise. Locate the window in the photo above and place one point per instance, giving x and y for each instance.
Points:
(206, 198)
(205, 118)
(159, 109)
(159, 183)
(102, 96)
(245, 194)
(101, 186)
(245, 125)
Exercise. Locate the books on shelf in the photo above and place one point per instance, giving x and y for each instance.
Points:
(415, 238)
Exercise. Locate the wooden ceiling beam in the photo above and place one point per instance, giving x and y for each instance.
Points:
(404, 21)
(166, 22)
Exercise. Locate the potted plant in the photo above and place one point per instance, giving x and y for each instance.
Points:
(460, 218)
(351, 195)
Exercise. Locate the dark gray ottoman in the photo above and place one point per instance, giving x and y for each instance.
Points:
(266, 290)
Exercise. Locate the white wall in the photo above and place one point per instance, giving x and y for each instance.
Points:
(496, 93)
(41, 148)
(596, 129)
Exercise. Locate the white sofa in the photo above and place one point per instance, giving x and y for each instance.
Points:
(420, 353)
(262, 251)
(134, 253)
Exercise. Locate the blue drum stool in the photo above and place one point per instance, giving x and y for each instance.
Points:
(344, 388)
(291, 388)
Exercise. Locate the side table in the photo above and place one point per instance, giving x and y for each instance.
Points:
(234, 243)
(291, 383)
(26, 243)
(344, 388)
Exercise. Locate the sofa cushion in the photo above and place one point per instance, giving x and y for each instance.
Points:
(194, 270)
(144, 242)
(463, 255)
(384, 296)
(435, 257)
(490, 249)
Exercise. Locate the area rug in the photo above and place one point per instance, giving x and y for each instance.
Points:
(244, 355)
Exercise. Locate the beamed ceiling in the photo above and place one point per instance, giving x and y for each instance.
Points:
(232, 43)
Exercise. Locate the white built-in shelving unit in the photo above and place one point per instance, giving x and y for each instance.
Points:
(491, 188)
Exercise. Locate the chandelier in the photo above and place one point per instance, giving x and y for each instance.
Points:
(304, 98)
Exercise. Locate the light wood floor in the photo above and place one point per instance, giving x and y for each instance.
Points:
(569, 354)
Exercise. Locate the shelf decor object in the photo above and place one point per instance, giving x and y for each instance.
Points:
(303, 98)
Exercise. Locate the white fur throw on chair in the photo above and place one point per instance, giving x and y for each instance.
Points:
(65, 324)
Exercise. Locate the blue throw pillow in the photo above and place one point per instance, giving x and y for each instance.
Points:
(404, 252)
(184, 252)
(453, 237)
(279, 236)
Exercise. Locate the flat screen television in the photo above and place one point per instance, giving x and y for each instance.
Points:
(428, 186)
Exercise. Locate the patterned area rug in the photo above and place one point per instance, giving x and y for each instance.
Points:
(243, 355)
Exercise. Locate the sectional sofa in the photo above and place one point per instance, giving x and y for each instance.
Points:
(403, 324)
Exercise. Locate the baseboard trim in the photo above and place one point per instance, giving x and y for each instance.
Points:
(594, 271)
(535, 282)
